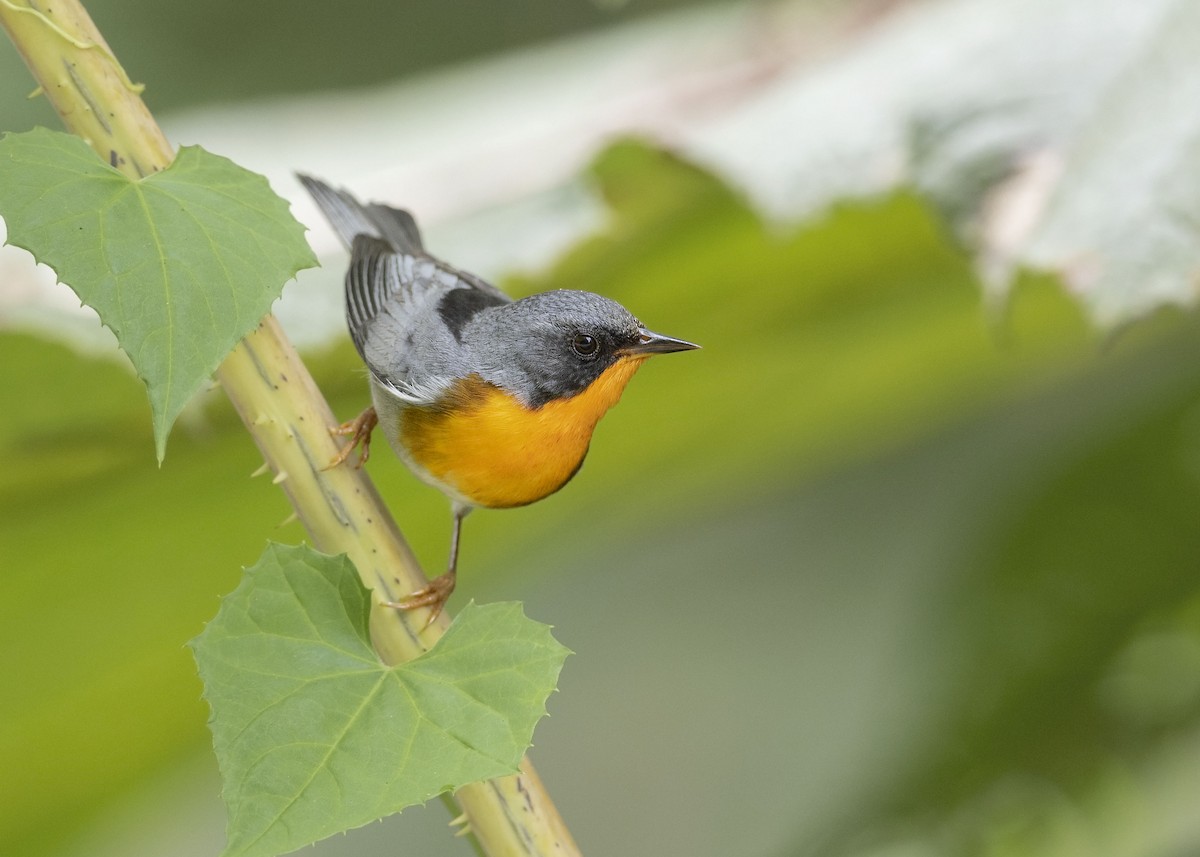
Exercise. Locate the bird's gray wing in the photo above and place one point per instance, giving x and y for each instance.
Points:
(405, 309)
(405, 313)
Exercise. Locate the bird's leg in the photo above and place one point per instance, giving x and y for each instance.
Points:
(437, 593)
(359, 430)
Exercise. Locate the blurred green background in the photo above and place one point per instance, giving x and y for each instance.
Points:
(890, 567)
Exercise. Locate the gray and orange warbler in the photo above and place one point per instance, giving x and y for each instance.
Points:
(491, 401)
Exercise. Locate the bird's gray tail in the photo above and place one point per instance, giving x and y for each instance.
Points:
(351, 218)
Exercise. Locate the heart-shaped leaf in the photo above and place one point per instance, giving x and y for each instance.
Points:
(315, 735)
(180, 265)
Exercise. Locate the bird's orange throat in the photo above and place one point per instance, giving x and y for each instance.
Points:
(495, 451)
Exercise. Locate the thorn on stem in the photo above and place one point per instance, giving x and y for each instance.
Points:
(463, 824)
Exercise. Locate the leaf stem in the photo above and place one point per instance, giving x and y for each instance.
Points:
(281, 407)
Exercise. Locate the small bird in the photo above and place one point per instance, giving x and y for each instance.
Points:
(491, 401)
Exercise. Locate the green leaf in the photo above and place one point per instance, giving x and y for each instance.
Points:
(180, 265)
(314, 735)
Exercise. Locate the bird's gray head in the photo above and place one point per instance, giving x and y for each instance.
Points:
(553, 345)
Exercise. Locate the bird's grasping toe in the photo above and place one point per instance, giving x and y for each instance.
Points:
(434, 596)
(359, 431)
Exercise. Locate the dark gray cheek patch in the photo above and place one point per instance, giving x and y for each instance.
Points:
(562, 378)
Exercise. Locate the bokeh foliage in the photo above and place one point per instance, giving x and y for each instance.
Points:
(910, 561)
(223, 51)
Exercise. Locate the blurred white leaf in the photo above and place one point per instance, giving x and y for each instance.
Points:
(1060, 134)
(937, 93)
(1123, 223)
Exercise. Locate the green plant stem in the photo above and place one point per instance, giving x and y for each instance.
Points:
(281, 407)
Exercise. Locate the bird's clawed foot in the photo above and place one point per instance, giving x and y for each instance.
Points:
(434, 596)
(359, 431)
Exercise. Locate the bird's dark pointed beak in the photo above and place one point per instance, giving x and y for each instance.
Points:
(655, 343)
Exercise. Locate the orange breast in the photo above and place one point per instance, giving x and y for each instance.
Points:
(493, 450)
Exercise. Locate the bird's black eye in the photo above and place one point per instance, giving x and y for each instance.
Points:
(585, 345)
